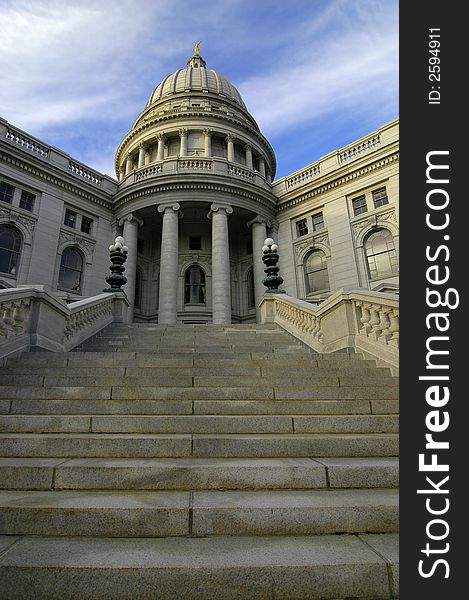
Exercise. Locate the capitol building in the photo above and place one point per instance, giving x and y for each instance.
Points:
(195, 196)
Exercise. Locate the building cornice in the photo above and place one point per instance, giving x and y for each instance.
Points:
(339, 181)
(53, 179)
(129, 196)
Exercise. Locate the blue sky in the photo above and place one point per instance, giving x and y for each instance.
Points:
(316, 75)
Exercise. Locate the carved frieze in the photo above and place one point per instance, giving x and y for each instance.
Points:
(376, 220)
(27, 224)
(68, 237)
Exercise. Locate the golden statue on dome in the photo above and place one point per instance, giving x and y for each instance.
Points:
(196, 48)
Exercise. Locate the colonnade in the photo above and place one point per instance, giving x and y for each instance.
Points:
(169, 272)
(160, 139)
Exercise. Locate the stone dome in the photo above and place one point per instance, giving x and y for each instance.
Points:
(196, 78)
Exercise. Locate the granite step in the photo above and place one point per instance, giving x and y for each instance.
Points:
(322, 567)
(198, 424)
(197, 473)
(191, 379)
(198, 445)
(167, 406)
(201, 513)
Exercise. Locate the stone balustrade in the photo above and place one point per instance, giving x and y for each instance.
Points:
(192, 164)
(33, 319)
(303, 176)
(322, 169)
(358, 148)
(15, 138)
(26, 142)
(82, 171)
(365, 321)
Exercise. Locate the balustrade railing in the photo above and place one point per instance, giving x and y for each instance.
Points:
(359, 148)
(80, 170)
(27, 143)
(32, 318)
(304, 176)
(365, 321)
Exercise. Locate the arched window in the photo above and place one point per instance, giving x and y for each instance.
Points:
(317, 277)
(250, 288)
(71, 270)
(381, 254)
(138, 288)
(194, 285)
(10, 250)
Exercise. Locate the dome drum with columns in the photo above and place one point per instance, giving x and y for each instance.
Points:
(195, 198)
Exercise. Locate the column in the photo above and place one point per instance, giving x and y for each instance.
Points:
(141, 155)
(208, 142)
(230, 147)
(248, 150)
(128, 164)
(167, 299)
(261, 166)
(183, 148)
(259, 233)
(160, 150)
(221, 284)
(130, 235)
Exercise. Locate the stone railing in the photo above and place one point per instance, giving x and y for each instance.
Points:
(358, 148)
(82, 171)
(26, 142)
(365, 321)
(240, 172)
(12, 138)
(194, 163)
(33, 319)
(148, 172)
(182, 165)
(303, 176)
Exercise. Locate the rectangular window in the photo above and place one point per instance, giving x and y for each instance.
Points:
(70, 218)
(359, 205)
(86, 224)
(318, 221)
(195, 242)
(6, 192)
(27, 201)
(249, 246)
(302, 227)
(380, 197)
(139, 246)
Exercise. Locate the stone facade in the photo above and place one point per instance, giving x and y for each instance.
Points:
(194, 198)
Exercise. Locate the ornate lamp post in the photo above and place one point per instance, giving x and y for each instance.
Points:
(270, 258)
(118, 255)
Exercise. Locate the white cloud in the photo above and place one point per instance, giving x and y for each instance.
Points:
(357, 70)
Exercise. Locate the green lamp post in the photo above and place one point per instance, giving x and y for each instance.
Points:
(118, 255)
(270, 258)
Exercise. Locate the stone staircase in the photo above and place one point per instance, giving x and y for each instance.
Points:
(197, 462)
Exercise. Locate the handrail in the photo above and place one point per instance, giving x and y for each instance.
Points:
(32, 319)
(363, 320)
